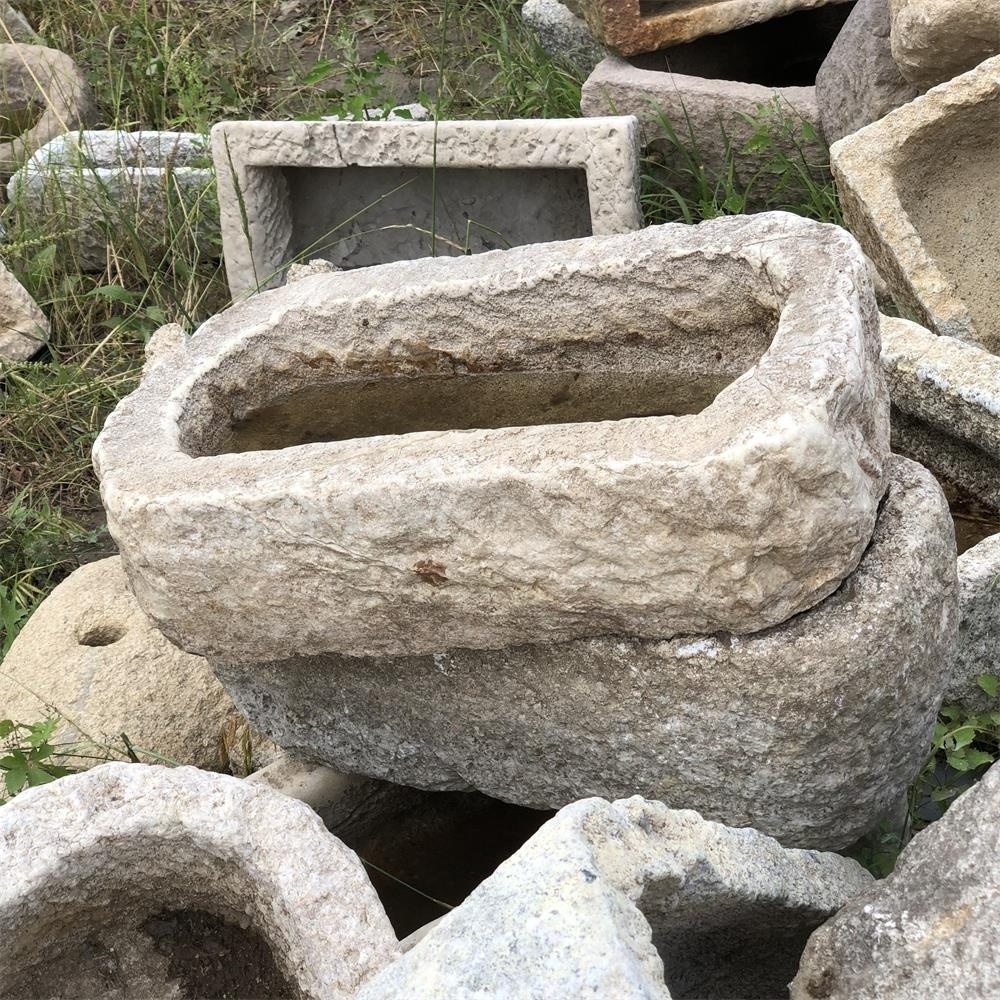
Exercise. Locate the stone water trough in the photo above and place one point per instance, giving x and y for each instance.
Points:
(604, 516)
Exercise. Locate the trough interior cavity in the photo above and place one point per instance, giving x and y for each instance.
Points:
(948, 180)
(649, 9)
(357, 216)
(344, 410)
(782, 52)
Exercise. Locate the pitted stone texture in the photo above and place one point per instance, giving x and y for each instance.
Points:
(562, 34)
(14, 26)
(629, 900)
(117, 188)
(88, 858)
(929, 929)
(714, 117)
(945, 406)
(919, 190)
(45, 88)
(531, 499)
(623, 25)
(809, 731)
(936, 40)
(91, 655)
(361, 193)
(858, 82)
(24, 328)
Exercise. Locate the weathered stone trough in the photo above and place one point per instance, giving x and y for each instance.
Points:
(680, 430)
(919, 189)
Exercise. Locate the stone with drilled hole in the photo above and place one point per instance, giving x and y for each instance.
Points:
(929, 929)
(95, 863)
(809, 731)
(24, 328)
(629, 899)
(678, 430)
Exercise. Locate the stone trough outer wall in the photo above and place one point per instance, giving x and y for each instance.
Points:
(810, 732)
(256, 207)
(940, 268)
(619, 24)
(484, 538)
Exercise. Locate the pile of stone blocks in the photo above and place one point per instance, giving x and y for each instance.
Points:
(611, 507)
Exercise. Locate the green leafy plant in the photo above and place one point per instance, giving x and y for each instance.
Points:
(28, 755)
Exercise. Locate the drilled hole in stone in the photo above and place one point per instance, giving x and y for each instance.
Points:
(101, 635)
(782, 52)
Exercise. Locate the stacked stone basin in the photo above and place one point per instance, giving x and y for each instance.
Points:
(575, 506)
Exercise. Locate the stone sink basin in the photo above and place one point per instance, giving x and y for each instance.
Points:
(680, 430)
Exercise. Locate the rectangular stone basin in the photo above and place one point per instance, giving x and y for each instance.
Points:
(920, 190)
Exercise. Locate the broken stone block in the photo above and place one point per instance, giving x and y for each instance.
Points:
(919, 190)
(117, 188)
(859, 82)
(633, 26)
(363, 193)
(562, 34)
(102, 868)
(929, 929)
(978, 649)
(936, 40)
(473, 452)
(90, 654)
(809, 731)
(24, 328)
(629, 900)
(44, 94)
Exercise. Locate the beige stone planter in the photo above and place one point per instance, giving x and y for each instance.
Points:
(683, 429)
(919, 189)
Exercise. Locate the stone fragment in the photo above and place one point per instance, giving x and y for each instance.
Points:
(697, 130)
(562, 34)
(119, 189)
(919, 189)
(633, 26)
(14, 26)
(858, 82)
(809, 731)
(44, 94)
(978, 650)
(94, 863)
(629, 900)
(936, 40)
(89, 654)
(472, 452)
(929, 929)
(24, 328)
(363, 193)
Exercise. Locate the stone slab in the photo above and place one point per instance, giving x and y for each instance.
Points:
(919, 190)
(472, 451)
(633, 26)
(809, 731)
(90, 858)
(120, 187)
(929, 929)
(859, 82)
(629, 900)
(936, 40)
(363, 193)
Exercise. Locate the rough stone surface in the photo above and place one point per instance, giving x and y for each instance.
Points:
(14, 26)
(92, 656)
(46, 93)
(713, 117)
(24, 328)
(562, 34)
(858, 82)
(629, 900)
(935, 40)
(359, 193)
(88, 859)
(538, 493)
(978, 650)
(809, 731)
(622, 26)
(929, 929)
(118, 187)
(919, 190)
